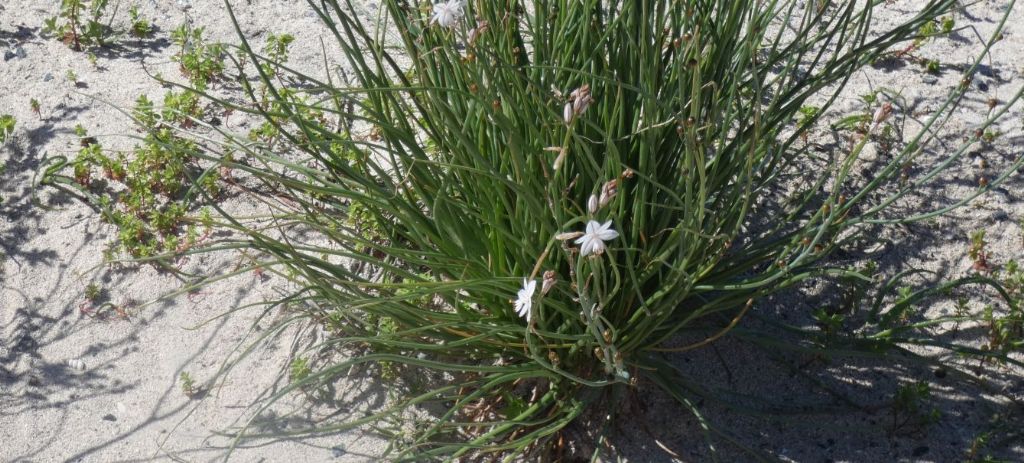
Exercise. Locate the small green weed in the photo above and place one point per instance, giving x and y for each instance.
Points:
(141, 27)
(93, 292)
(299, 369)
(978, 251)
(78, 24)
(7, 123)
(201, 62)
(911, 413)
(188, 385)
(276, 50)
(35, 107)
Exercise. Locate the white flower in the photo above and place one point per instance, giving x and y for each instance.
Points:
(592, 242)
(524, 300)
(447, 14)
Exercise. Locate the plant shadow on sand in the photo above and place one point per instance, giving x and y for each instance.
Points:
(32, 382)
(812, 403)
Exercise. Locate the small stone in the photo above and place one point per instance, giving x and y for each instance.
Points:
(930, 79)
(920, 451)
(109, 417)
(9, 55)
(1000, 216)
(20, 52)
(1001, 191)
(338, 451)
(76, 364)
(47, 77)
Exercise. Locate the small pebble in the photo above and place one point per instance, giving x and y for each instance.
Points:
(337, 451)
(109, 417)
(930, 79)
(20, 52)
(1000, 216)
(76, 364)
(9, 55)
(47, 77)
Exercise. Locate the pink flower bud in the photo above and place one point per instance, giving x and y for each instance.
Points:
(548, 283)
(608, 192)
(881, 114)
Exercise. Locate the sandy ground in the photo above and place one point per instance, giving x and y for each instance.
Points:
(79, 387)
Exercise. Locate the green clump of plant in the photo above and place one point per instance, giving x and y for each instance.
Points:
(299, 369)
(910, 410)
(79, 24)
(188, 384)
(276, 51)
(7, 123)
(559, 192)
(201, 62)
(140, 25)
(93, 292)
(148, 196)
(180, 108)
(34, 105)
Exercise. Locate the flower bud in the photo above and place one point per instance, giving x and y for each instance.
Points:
(559, 160)
(592, 204)
(548, 283)
(568, 236)
(561, 155)
(475, 32)
(608, 192)
(578, 102)
(881, 114)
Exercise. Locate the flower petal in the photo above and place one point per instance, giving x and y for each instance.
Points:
(608, 235)
(588, 246)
